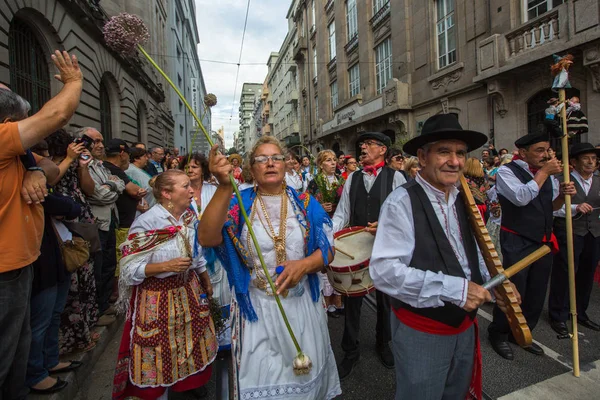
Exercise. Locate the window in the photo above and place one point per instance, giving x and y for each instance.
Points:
(314, 15)
(351, 19)
(383, 64)
(446, 33)
(141, 122)
(29, 75)
(105, 114)
(331, 29)
(378, 4)
(314, 62)
(317, 108)
(181, 130)
(354, 79)
(334, 95)
(535, 8)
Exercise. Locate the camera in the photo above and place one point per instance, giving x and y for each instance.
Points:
(86, 140)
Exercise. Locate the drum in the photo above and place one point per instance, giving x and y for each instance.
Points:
(348, 273)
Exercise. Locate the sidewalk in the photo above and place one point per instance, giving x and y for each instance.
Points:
(564, 386)
(80, 378)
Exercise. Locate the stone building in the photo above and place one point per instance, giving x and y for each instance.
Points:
(389, 65)
(282, 82)
(122, 97)
(247, 134)
(186, 73)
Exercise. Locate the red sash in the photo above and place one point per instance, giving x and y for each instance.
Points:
(427, 325)
(552, 240)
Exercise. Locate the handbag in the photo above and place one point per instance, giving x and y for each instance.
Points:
(88, 231)
(75, 252)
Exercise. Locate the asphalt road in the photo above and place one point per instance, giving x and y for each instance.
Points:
(371, 380)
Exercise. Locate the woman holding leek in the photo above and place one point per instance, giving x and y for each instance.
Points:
(295, 235)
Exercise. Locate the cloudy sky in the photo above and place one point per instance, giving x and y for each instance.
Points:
(220, 25)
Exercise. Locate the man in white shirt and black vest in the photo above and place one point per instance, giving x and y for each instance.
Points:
(363, 194)
(528, 194)
(426, 258)
(585, 206)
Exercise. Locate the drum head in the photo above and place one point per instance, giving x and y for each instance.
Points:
(358, 245)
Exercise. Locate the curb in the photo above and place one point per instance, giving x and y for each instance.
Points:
(79, 378)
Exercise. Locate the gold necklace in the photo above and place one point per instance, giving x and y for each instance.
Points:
(278, 239)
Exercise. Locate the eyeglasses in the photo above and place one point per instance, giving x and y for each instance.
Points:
(265, 159)
(398, 158)
(371, 143)
(351, 163)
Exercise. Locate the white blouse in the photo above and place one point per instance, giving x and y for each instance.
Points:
(134, 272)
(294, 180)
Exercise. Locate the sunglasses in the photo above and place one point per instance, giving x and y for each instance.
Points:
(398, 158)
(264, 159)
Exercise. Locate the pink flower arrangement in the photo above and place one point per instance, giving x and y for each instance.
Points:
(124, 32)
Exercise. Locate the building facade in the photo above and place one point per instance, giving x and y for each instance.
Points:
(282, 82)
(186, 73)
(389, 65)
(122, 97)
(247, 134)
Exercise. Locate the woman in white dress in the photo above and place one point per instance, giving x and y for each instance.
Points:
(293, 232)
(292, 177)
(196, 168)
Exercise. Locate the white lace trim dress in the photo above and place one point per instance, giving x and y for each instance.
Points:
(263, 350)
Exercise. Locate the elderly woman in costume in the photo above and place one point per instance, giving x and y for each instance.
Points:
(326, 187)
(236, 163)
(196, 167)
(294, 234)
(169, 337)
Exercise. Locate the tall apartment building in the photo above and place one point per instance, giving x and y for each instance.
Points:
(247, 135)
(267, 97)
(389, 65)
(122, 97)
(282, 82)
(186, 73)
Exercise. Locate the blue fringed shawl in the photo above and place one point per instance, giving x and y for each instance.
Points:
(234, 256)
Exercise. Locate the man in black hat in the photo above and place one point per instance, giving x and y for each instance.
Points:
(528, 194)
(362, 197)
(586, 241)
(426, 258)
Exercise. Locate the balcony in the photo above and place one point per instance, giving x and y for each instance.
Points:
(292, 140)
(291, 67)
(380, 16)
(294, 128)
(299, 46)
(331, 64)
(292, 97)
(264, 94)
(561, 29)
(329, 5)
(352, 44)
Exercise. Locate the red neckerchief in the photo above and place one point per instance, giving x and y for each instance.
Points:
(372, 169)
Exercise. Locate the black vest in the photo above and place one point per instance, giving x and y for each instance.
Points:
(365, 206)
(533, 221)
(587, 222)
(433, 252)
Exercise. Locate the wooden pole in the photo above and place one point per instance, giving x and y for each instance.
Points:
(569, 221)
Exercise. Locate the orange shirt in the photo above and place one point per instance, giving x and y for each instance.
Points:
(21, 225)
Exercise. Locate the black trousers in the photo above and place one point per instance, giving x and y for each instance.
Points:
(105, 276)
(532, 283)
(586, 251)
(350, 342)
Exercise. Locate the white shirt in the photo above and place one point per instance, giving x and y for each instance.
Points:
(586, 185)
(395, 243)
(341, 217)
(294, 180)
(134, 272)
(206, 194)
(517, 192)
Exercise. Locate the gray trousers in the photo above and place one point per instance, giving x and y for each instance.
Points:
(15, 332)
(431, 367)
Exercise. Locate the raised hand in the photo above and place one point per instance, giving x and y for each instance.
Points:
(68, 67)
(219, 166)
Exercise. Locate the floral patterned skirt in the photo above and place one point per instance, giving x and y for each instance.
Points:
(169, 338)
(81, 311)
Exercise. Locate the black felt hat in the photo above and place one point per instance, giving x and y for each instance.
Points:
(444, 127)
(582, 148)
(380, 137)
(532, 138)
(115, 146)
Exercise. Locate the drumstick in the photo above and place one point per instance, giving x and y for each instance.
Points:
(350, 234)
(344, 253)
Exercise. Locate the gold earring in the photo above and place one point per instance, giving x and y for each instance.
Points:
(170, 206)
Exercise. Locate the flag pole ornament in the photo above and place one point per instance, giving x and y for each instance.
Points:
(560, 72)
(125, 33)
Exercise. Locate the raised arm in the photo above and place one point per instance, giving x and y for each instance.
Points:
(57, 112)
(215, 214)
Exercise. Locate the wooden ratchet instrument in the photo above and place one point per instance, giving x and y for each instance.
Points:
(514, 314)
(519, 266)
